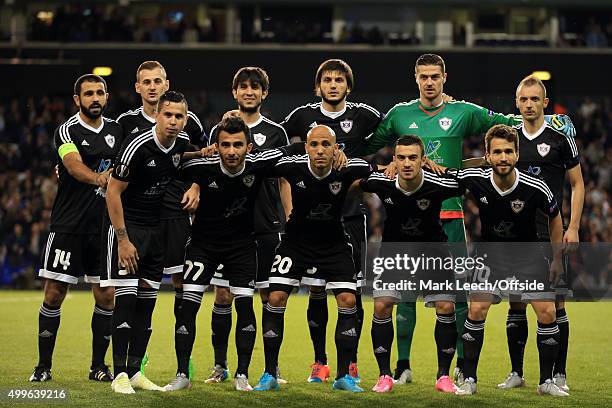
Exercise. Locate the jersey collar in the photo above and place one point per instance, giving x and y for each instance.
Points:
(511, 189)
(147, 117)
(158, 143)
(257, 122)
(406, 192)
(536, 134)
(226, 171)
(313, 173)
(86, 126)
(333, 115)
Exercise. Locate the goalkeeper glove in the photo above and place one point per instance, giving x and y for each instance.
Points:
(561, 123)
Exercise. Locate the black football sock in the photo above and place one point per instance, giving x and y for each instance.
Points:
(317, 316)
(346, 338)
(101, 330)
(245, 332)
(382, 340)
(123, 322)
(185, 329)
(517, 332)
(359, 305)
(145, 304)
(221, 325)
(548, 348)
(563, 324)
(178, 296)
(473, 338)
(445, 334)
(272, 327)
(48, 325)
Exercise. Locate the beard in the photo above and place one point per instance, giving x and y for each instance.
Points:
(87, 111)
(334, 102)
(249, 109)
(506, 173)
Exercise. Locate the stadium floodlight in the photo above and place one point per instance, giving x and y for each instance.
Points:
(102, 71)
(542, 75)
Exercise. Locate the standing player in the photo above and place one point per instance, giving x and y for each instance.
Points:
(353, 123)
(412, 203)
(223, 235)
(134, 248)
(315, 245)
(442, 127)
(86, 145)
(508, 202)
(547, 154)
(151, 83)
(250, 88)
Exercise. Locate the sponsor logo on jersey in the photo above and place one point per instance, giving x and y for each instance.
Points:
(504, 229)
(104, 165)
(413, 125)
(543, 149)
(388, 200)
(445, 123)
(431, 151)
(335, 187)
(313, 124)
(301, 184)
(248, 180)
(346, 125)
(259, 138)
(484, 200)
(411, 227)
(535, 170)
(517, 205)
(176, 159)
(84, 143)
(213, 185)
(151, 163)
(110, 140)
(135, 130)
(423, 204)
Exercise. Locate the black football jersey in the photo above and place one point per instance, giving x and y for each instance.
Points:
(547, 154)
(508, 216)
(149, 167)
(412, 216)
(269, 212)
(136, 121)
(78, 207)
(318, 201)
(226, 210)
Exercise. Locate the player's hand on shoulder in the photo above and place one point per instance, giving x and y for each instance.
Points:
(391, 171)
(340, 160)
(561, 123)
(433, 166)
(209, 151)
(447, 98)
(228, 114)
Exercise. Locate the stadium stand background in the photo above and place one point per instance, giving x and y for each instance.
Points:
(45, 46)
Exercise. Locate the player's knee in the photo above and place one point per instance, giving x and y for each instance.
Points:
(445, 307)
(383, 310)
(346, 299)
(104, 296)
(55, 293)
(546, 312)
(479, 310)
(278, 298)
(223, 296)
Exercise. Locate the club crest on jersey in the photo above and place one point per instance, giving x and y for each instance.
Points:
(248, 180)
(346, 125)
(423, 204)
(176, 159)
(445, 123)
(517, 205)
(543, 149)
(259, 138)
(335, 187)
(110, 140)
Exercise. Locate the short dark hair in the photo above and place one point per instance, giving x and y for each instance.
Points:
(505, 132)
(410, 140)
(332, 65)
(254, 75)
(150, 65)
(88, 78)
(430, 59)
(171, 96)
(532, 80)
(233, 125)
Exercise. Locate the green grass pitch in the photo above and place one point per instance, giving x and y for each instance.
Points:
(589, 366)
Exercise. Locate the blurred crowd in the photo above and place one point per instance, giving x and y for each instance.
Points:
(28, 181)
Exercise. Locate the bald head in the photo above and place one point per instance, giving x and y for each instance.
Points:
(320, 146)
(321, 130)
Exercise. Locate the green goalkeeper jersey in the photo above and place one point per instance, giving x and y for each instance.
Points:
(442, 130)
